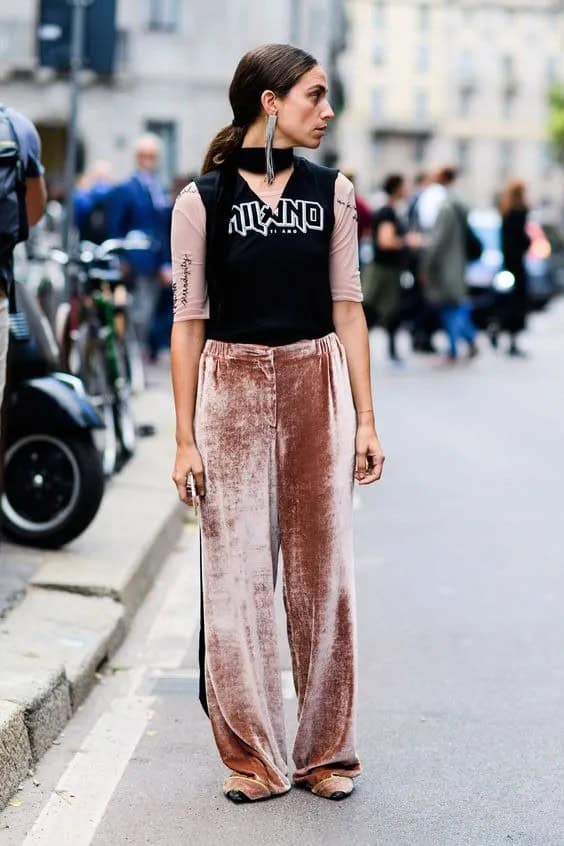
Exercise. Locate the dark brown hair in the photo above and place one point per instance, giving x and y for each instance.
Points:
(513, 197)
(446, 175)
(274, 67)
(392, 183)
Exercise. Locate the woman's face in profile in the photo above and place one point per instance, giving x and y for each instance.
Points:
(304, 113)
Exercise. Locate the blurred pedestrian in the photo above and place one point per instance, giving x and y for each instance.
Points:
(270, 357)
(23, 196)
(141, 204)
(424, 322)
(433, 193)
(391, 259)
(445, 263)
(90, 199)
(514, 244)
(420, 183)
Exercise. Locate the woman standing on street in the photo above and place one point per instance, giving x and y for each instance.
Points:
(514, 244)
(391, 259)
(271, 377)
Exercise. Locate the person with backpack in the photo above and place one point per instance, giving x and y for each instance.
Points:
(23, 197)
(450, 245)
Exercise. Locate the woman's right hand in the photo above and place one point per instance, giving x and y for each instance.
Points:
(188, 460)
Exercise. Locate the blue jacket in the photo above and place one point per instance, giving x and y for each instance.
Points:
(131, 206)
(84, 200)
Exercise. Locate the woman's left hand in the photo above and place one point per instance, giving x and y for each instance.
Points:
(369, 456)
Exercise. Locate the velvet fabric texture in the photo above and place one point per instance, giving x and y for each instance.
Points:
(275, 427)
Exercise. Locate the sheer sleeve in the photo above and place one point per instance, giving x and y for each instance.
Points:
(188, 247)
(344, 272)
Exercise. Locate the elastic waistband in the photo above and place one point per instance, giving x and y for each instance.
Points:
(300, 349)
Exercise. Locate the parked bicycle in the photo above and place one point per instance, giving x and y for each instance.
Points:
(98, 341)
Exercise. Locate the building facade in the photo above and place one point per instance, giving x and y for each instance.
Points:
(463, 82)
(175, 59)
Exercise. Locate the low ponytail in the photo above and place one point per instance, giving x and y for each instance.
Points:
(274, 67)
(227, 141)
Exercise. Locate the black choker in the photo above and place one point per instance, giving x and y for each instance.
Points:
(253, 159)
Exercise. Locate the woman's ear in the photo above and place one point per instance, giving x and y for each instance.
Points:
(268, 102)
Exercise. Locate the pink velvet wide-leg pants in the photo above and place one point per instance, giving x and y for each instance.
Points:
(275, 427)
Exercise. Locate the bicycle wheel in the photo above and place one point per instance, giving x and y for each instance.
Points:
(122, 409)
(134, 360)
(87, 360)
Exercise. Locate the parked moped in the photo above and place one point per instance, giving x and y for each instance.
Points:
(53, 475)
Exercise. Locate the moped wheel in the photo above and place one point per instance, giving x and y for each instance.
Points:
(52, 488)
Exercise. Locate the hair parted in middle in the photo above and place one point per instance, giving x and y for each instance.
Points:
(271, 67)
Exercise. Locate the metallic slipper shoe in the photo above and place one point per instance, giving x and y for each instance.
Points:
(240, 789)
(333, 787)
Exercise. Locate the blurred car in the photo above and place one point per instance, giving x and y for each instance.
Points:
(556, 240)
(487, 274)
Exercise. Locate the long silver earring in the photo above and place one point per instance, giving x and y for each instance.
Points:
(270, 130)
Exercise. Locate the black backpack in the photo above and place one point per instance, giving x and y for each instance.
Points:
(13, 214)
(473, 245)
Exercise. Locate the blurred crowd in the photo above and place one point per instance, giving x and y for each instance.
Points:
(105, 208)
(416, 249)
(415, 246)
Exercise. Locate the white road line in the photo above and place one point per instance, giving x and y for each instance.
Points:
(78, 803)
(176, 622)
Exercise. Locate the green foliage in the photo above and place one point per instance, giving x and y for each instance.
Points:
(556, 120)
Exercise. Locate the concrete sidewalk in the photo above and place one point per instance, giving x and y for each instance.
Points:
(17, 567)
(80, 599)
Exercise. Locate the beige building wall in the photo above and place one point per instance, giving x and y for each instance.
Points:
(464, 81)
(176, 77)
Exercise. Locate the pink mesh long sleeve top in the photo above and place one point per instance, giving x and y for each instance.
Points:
(188, 241)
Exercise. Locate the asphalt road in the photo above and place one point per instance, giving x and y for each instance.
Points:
(460, 575)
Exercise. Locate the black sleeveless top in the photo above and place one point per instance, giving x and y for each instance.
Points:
(274, 286)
